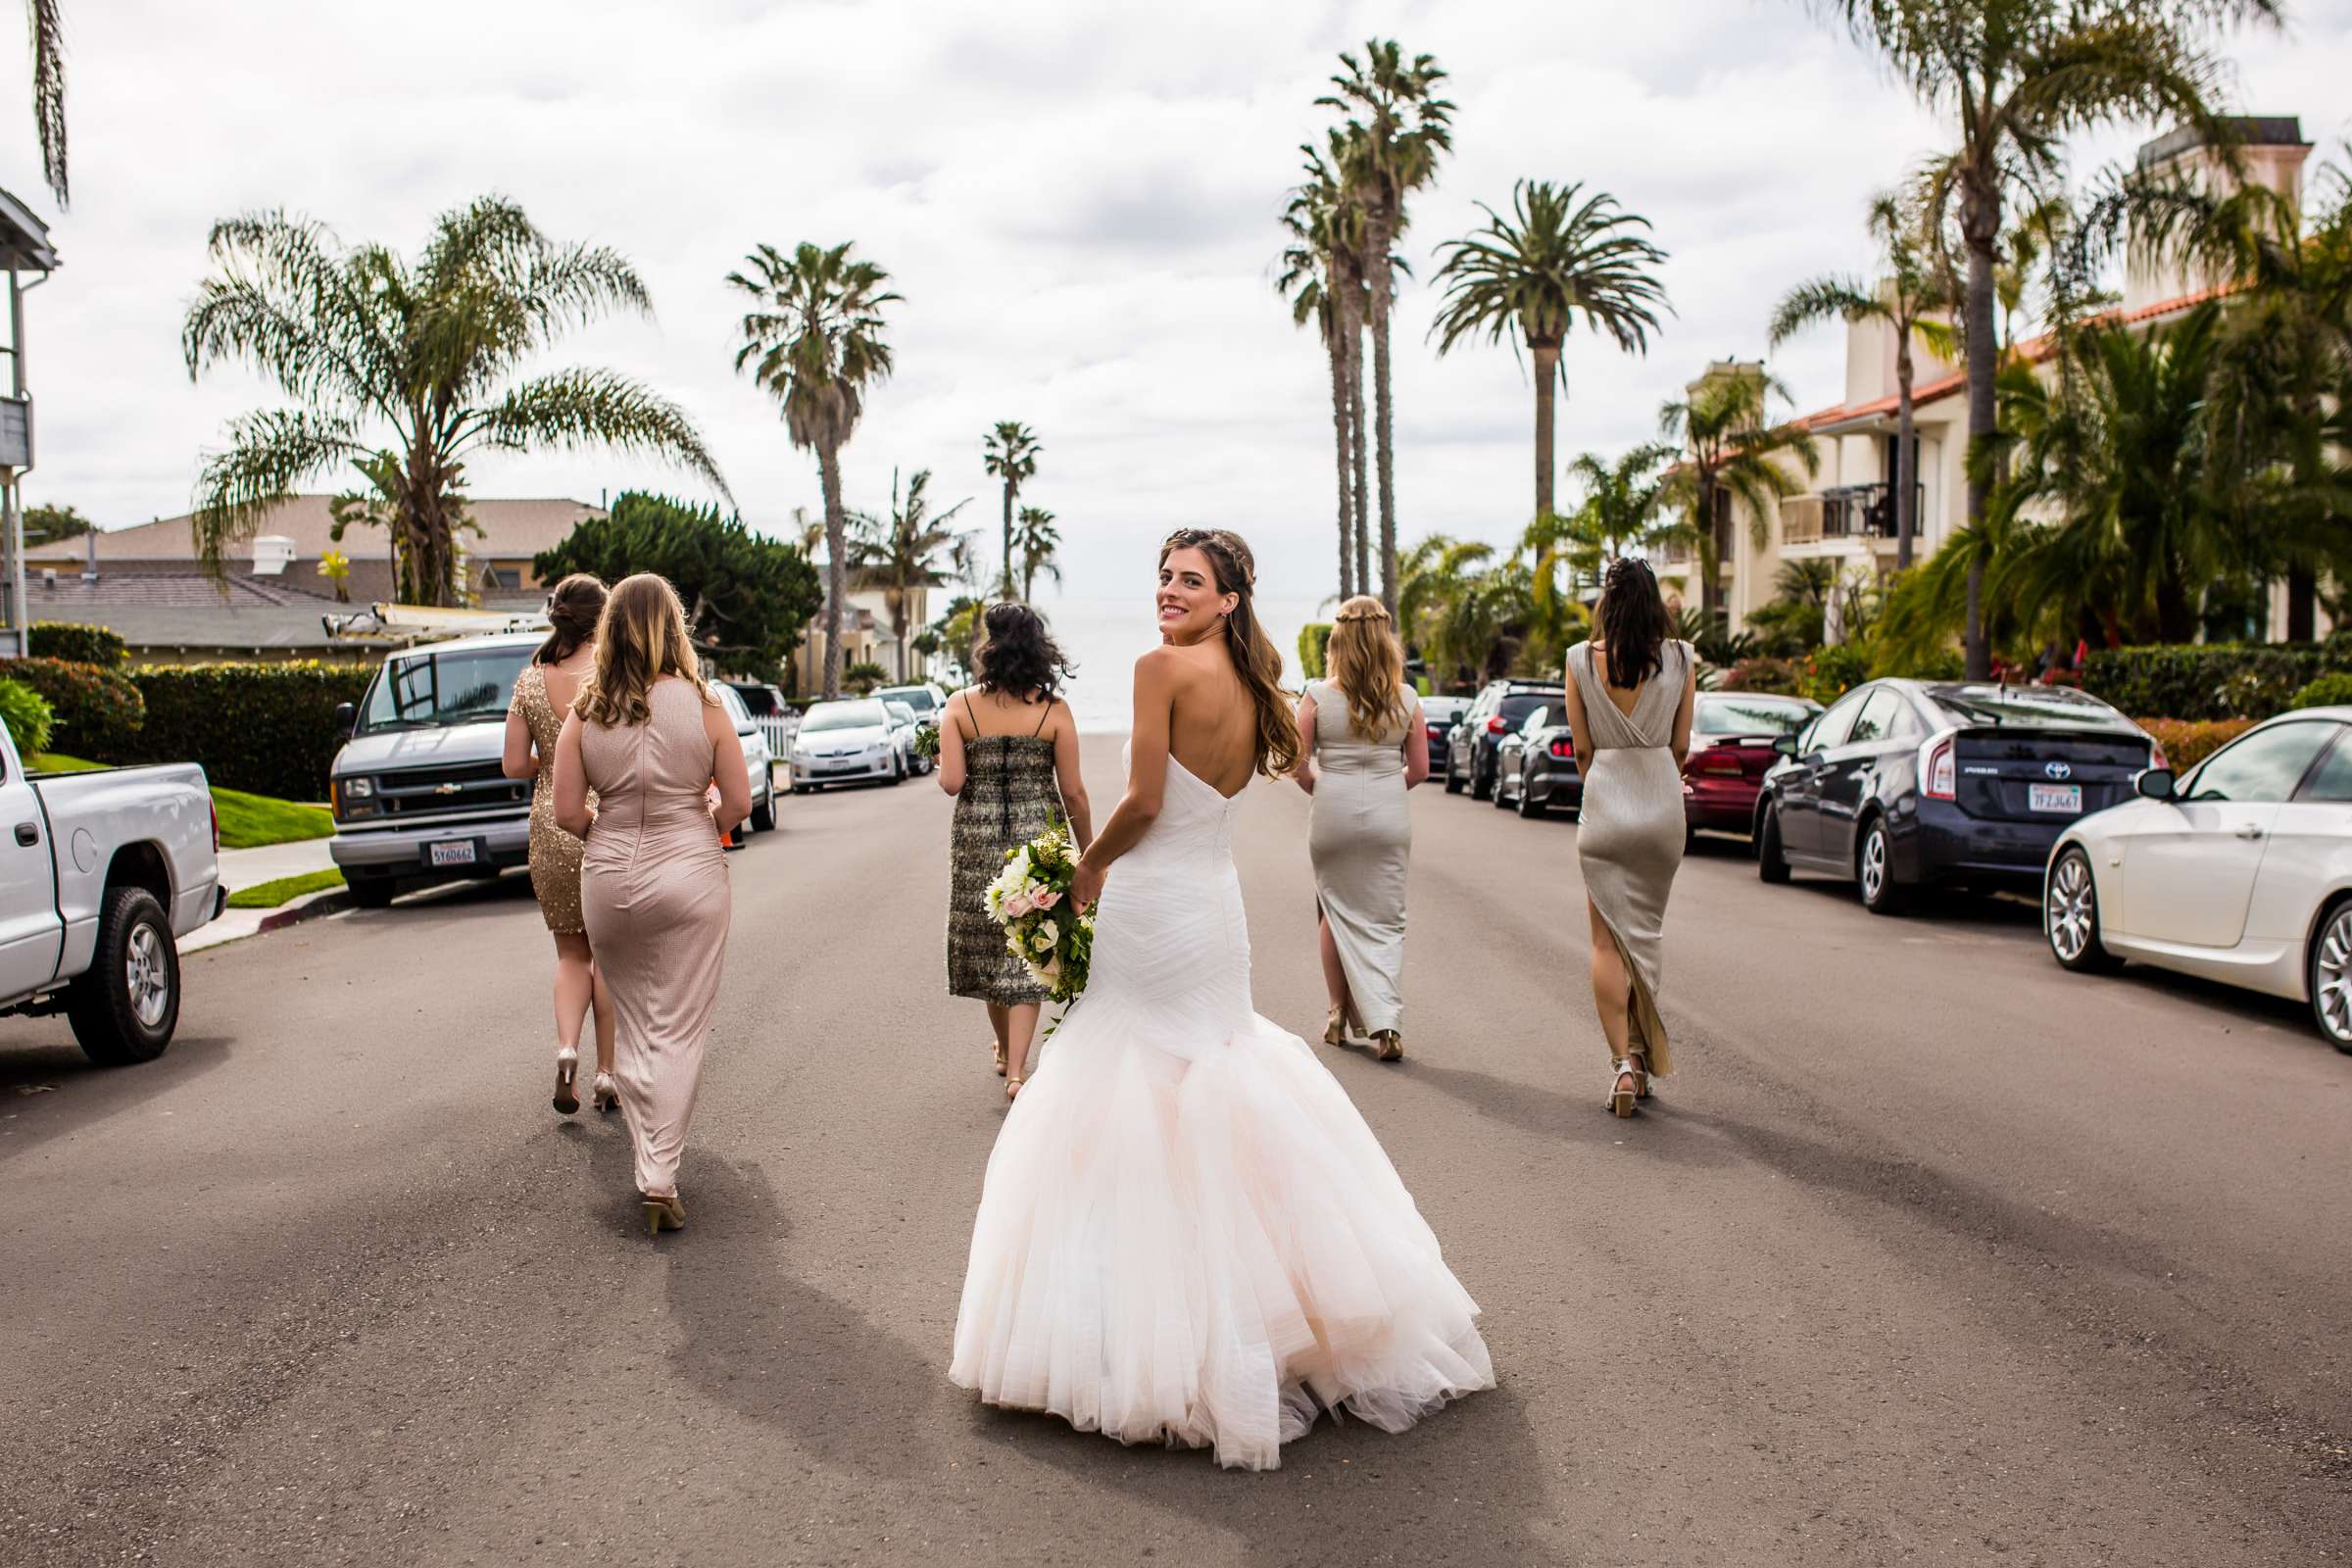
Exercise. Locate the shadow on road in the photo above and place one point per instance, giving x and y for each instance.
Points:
(48, 1091)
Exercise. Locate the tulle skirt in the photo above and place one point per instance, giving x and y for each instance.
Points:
(1196, 1239)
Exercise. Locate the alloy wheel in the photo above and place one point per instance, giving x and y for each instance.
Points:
(2332, 979)
(1873, 865)
(146, 976)
(2067, 910)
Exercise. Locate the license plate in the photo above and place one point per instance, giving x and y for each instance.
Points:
(2067, 798)
(458, 851)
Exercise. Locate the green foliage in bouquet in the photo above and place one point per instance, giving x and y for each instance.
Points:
(1031, 900)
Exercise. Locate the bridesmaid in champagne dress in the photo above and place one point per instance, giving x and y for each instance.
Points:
(649, 739)
(1629, 700)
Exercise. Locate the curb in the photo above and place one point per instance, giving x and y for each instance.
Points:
(326, 901)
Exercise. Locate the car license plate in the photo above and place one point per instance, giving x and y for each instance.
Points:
(2067, 798)
(458, 852)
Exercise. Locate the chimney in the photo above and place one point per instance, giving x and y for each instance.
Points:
(2271, 150)
(273, 554)
(89, 574)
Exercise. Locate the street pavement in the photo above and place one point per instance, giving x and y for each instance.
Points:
(1930, 1253)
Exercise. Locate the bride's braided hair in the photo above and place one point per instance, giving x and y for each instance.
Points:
(1254, 656)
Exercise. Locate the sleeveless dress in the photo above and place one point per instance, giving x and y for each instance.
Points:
(1008, 797)
(1361, 836)
(555, 854)
(654, 888)
(1629, 829)
(1187, 1233)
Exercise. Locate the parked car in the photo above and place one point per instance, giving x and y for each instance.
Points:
(1439, 715)
(758, 761)
(1732, 735)
(907, 728)
(2239, 871)
(1535, 766)
(848, 741)
(1497, 711)
(419, 791)
(927, 701)
(770, 712)
(106, 870)
(1903, 783)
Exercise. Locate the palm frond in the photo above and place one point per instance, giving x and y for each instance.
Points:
(49, 91)
(587, 408)
(268, 454)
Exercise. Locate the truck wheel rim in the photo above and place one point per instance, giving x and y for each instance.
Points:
(2070, 908)
(145, 971)
(2334, 976)
(1873, 865)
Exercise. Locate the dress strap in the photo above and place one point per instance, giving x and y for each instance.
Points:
(1040, 719)
(969, 722)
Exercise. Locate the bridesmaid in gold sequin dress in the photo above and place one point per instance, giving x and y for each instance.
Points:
(543, 695)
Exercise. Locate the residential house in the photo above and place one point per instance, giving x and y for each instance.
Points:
(867, 637)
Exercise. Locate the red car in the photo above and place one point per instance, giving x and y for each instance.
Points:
(1730, 751)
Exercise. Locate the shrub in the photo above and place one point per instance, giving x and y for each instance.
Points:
(82, 644)
(2335, 652)
(98, 710)
(2331, 690)
(2207, 681)
(2186, 742)
(268, 729)
(1786, 629)
(1314, 646)
(26, 714)
(1832, 672)
(1945, 663)
(1762, 674)
(862, 678)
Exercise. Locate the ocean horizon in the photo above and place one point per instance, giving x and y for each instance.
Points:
(1103, 635)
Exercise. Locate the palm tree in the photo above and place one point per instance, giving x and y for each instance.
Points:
(813, 339)
(49, 91)
(1396, 128)
(1322, 276)
(1011, 450)
(1039, 545)
(2021, 76)
(1728, 450)
(403, 372)
(1912, 291)
(1620, 509)
(900, 554)
(1534, 272)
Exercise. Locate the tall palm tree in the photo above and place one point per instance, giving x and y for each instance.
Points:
(49, 91)
(1322, 276)
(1040, 543)
(2021, 76)
(813, 341)
(901, 553)
(404, 371)
(1534, 272)
(1728, 448)
(1011, 450)
(1397, 129)
(1913, 290)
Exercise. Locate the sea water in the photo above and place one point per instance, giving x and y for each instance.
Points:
(1104, 636)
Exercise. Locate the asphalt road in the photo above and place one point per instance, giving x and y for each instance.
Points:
(1931, 1252)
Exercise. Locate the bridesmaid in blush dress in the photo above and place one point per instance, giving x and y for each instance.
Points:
(645, 735)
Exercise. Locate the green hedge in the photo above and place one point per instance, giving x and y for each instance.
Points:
(98, 710)
(27, 716)
(1314, 649)
(82, 644)
(268, 729)
(2203, 681)
(2331, 690)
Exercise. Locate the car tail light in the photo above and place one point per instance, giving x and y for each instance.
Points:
(1938, 776)
(1496, 725)
(1564, 749)
(216, 827)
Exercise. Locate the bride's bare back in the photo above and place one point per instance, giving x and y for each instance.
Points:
(1212, 729)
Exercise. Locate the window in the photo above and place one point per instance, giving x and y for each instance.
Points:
(1749, 713)
(2041, 707)
(1516, 709)
(2264, 766)
(1832, 727)
(1536, 720)
(463, 686)
(2332, 782)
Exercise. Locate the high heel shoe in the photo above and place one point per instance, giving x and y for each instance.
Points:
(1334, 1027)
(1001, 1050)
(1012, 1088)
(1389, 1045)
(663, 1213)
(567, 1072)
(1625, 1081)
(605, 1095)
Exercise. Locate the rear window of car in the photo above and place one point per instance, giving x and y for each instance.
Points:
(755, 699)
(918, 697)
(2044, 708)
(1517, 708)
(1751, 715)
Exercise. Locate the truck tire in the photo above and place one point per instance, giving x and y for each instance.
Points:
(372, 892)
(126, 1006)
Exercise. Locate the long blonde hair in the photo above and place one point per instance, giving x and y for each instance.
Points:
(1255, 659)
(1367, 665)
(641, 638)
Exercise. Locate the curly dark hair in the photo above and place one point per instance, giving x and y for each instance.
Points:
(1633, 623)
(1017, 654)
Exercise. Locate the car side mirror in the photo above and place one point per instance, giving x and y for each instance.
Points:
(1786, 745)
(347, 720)
(2156, 784)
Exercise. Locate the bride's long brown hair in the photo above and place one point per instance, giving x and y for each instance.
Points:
(1255, 659)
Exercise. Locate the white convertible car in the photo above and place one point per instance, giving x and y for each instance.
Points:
(2239, 871)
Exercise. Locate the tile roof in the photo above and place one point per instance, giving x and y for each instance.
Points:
(511, 528)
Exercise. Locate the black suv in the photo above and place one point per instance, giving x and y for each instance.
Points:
(1502, 708)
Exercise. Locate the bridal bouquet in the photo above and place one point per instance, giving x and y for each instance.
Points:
(1031, 900)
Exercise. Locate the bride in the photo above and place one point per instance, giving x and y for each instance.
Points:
(1188, 1234)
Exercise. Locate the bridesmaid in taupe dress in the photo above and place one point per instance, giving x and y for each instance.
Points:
(648, 736)
(1629, 700)
(1361, 746)
(543, 695)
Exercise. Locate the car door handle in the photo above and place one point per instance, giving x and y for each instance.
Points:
(2249, 831)
(28, 834)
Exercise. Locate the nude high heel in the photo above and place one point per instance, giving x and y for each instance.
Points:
(1334, 1027)
(567, 1072)
(665, 1213)
(1629, 1082)
(605, 1095)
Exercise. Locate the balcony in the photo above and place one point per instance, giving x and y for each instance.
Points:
(1848, 511)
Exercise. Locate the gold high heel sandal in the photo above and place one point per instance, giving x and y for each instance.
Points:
(1001, 1053)
(1390, 1045)
(1012, 1088)
(663, 1213)
(1334, 1027)
(567, 1072)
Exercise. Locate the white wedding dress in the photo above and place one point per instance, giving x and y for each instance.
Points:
(1188, 1234)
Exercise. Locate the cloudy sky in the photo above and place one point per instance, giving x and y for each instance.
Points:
(1079, 203)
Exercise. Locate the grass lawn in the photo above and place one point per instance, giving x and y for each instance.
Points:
(247, 821)
(269, 895)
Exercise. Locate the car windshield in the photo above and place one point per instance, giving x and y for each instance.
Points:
(2042, 707)
(463, 686)
(844, 716)
(1751, 714)
(917, 698)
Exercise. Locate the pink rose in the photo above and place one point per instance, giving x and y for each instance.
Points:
(1017, 905)
(1047, 899)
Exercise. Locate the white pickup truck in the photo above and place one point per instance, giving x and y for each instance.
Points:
(101, 873)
